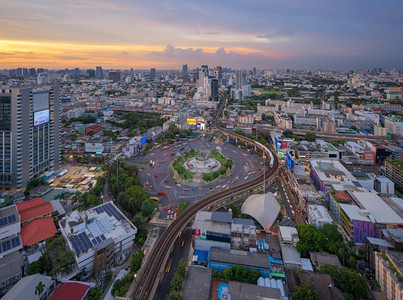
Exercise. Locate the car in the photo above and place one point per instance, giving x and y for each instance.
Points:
(165, 207)
(156, 176)
(261, 172)
(168, 187)
(253, 172)
(150, 186)
(162, 193)
(148, 174)
(162, 173)
(141, 170)
(175, 215)
(166, 181)
(193, 188)
(171, 217)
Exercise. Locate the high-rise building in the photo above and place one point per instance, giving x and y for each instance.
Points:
(214, 90)
(238, 82)
(99, 73)
(184, 69)
(114, 76)
(152, 73)
(29, 134)
(218, 73)
(91, 73)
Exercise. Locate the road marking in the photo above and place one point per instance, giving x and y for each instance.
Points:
(183, 243)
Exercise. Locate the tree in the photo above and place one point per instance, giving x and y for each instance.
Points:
(33, 183)
(174, 295)
(228, 275)
(304, 292)
(310, 137)
(176, 282)
(148, 208)
(140, 222)
(137, 260)
(236, 211)
(39, 288)
(94, 293)
(181, 270)
(288, 134)
(64, 262)
(254, 275)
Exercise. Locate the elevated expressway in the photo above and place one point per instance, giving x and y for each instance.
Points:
(152, 269)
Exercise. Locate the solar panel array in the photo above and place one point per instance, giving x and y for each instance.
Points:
(81, 243)
(98, 239)
(111, 210)
(10, 244)
(6, 220)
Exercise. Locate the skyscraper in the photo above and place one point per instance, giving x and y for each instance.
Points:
(152, 73)
(238, 81)
(99, 73)
(214, 89)
(184, 69)
(29, 134)
(218, 73)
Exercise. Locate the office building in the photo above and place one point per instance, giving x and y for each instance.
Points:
(114, 76)
(100, 237)
(29, 134)
(214, 90)
(184, 69)
(152, 73)
(238, 80)
(218, 73)
(99, 73)
(394, 171)
(389, 273)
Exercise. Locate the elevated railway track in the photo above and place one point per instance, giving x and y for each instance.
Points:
(152, 269)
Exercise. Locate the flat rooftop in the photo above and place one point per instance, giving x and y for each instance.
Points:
(242, 258)
(203, 221)
(197, 284)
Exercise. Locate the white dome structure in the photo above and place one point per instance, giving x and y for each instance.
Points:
(264, 208)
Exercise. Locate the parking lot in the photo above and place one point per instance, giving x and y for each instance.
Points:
(78, 177)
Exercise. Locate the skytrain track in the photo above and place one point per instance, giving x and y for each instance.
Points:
(161, 249)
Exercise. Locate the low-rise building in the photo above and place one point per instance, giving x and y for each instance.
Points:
(318, 215)
(288, 235)
(100, 237)
(389, 273)
(394, 170)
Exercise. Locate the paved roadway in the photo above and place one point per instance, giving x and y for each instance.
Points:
(245, 163)
(289, 200)
(180, 250)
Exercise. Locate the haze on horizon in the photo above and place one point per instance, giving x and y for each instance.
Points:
(294, 34)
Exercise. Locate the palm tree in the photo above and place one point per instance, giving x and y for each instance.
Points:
(39, 288)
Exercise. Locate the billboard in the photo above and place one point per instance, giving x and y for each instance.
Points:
(289, 161)
(143, 140)
(277, 142)
(191, 121)
(66, 100)
(284, 145)
(41, 117)
(94, 147)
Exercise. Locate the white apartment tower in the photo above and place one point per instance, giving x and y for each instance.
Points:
(29, 134)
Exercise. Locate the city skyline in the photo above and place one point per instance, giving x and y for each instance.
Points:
(121, 34)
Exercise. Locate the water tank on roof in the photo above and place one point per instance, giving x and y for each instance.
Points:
(267, 282)
(273, 283)
(260, 281)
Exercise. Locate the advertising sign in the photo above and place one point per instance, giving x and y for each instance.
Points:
(289, 161)
(143, 140)
(198, 125)
(41, 117)
(203, 234)
(284, 145)
(191, 121)
(277, 142)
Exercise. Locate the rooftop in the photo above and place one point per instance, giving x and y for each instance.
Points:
(242, 258)
(25, 288)
(203, 221)
(8, 215)
(241, 291)
(197, 284)
(34, 208)
(84, 230)
(37, 230)
(396, 163)
(70, 290)
(290, 255)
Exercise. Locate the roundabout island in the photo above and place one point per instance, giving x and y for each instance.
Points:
(201, 167)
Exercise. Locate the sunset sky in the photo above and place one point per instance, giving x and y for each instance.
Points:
(343, 34)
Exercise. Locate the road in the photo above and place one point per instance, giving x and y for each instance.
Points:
(289, 200)
(158, 179)
(180, 250)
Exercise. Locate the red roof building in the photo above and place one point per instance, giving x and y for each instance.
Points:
(33, 209)
(71, 290)
(37, 231)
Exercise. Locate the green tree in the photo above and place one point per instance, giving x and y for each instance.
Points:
(304, 292)
(174, 295)
(181, 270)
(136, 261)
(140, 222)
(94, 293)
(288, 134)
(228, 275)
(254, 275)
(236, 211)
(64, 262)
(310, 137)
(148, 207)
(33, 183)
(177, 282)
(39, 289)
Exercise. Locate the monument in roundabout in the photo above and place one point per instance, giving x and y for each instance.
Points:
(201, 167)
